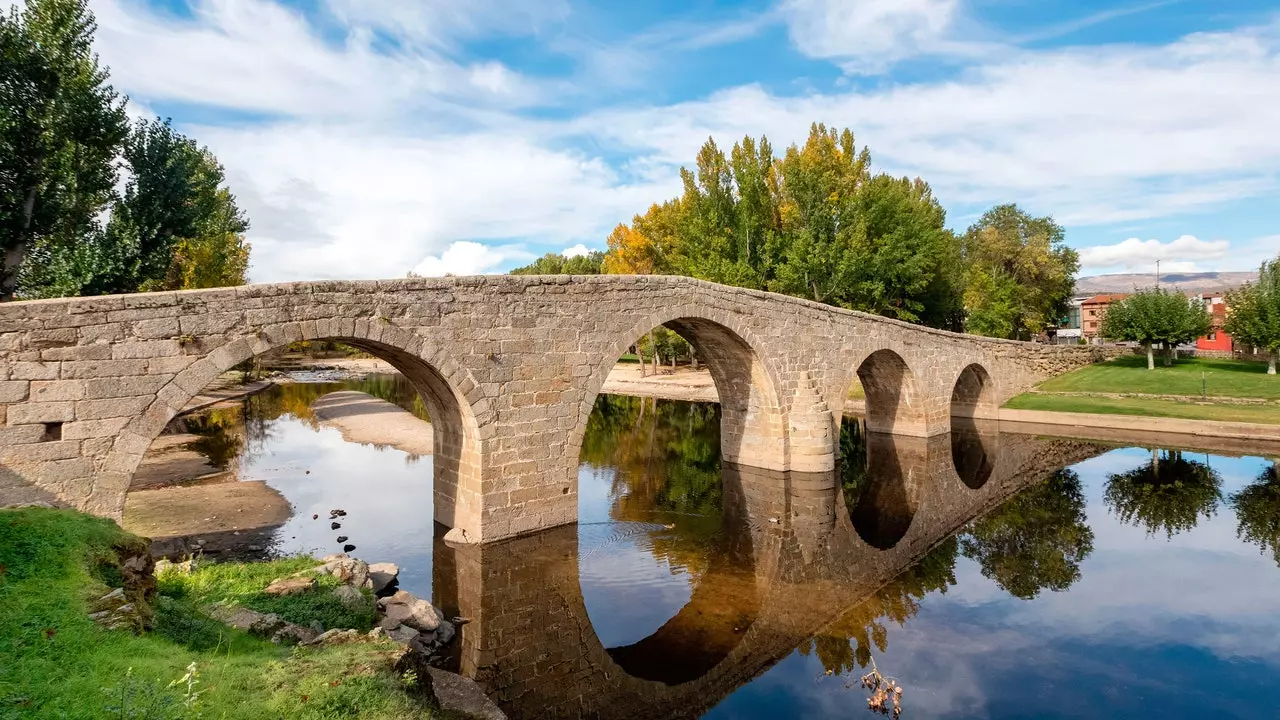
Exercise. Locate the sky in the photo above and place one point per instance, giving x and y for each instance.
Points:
(371, 138)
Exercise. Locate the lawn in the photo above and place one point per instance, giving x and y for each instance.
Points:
(1147, 407)
(1129, 374)
(56, 663)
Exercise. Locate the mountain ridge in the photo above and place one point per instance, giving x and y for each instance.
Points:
(1184, 281)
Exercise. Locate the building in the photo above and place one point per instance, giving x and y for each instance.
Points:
(1092, 310)
(1068, 331)
(1216, 304)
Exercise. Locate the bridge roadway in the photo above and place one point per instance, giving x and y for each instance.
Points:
(795, 562)
(509, 368)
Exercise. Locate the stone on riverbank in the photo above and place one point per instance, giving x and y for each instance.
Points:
(291, 586)
(404, 608)
(383, 578)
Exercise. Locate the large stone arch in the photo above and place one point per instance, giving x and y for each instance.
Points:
(753, 428)
(895, 401)
(445, 387)
(974, 393)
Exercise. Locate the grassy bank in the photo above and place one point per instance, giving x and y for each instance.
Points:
(55, 662)
(1129, 374)
(1147, 407)
(1098, 389)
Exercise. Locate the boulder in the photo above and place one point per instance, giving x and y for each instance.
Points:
(403, 634)
(351, 598)
(291, 634)
(291, 586)
(348, 570)
(336, 637)
(404, 608)
(383, 578)
(462, 697)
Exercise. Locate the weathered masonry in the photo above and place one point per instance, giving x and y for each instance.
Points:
(509, 368)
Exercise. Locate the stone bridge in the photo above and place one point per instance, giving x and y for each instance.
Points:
(509, 368)
(795, 561)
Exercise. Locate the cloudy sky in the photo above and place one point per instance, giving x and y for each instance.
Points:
(368, 138)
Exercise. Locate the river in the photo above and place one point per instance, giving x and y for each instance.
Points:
(1046, 578)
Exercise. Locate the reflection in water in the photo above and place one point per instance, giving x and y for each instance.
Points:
(1170, 493)
(1036, 541)
(973, 445)
(693, 587)
(1258, 511)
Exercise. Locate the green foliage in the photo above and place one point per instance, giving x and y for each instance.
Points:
(1267, 414)
(1254, 318)
(558, 264)
(1257, 510)
(1020, 273)
(1169, 493)
(242, 584)
(1035, 541)
(55, 662)
(815, 224)
(61, 126)
(1155, 316)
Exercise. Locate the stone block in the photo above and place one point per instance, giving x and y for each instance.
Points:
(34, 371)
(32, 412)
(40, 452)
(56, 390)
(13, 391)
(112, 407)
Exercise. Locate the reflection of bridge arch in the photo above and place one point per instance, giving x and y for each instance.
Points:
(532, 646)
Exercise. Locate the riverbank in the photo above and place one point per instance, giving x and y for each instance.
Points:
(91, 633)
(1195, 390)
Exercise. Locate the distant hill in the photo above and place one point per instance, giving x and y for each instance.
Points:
(1186, 282)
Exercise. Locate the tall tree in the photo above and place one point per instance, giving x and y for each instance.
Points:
(1253, 317)
(1020, 273)
(177, 226)
(1156, 315)
(61, 126)
(1258, 511)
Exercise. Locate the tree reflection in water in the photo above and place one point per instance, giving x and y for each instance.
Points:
(1169, 493)
(1035, 541)
(847, 644)
(1258, 511)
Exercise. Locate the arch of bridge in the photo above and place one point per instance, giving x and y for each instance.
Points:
(85, 383)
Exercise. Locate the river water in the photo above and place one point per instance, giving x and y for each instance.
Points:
(991, 575)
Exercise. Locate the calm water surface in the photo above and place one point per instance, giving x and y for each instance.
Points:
(994, 575)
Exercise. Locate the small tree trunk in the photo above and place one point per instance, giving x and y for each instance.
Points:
(653, 347)
(1271, 362)
(1151, 357)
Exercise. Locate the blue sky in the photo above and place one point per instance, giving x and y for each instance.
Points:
(368, 138)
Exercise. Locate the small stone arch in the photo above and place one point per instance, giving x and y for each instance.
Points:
(893, 400)
(753, 430)
(974, 394)
(447, 389)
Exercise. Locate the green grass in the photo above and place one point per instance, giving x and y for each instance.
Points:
(56, 663)
(1129, 374)
(242, 584)
(1147, 407)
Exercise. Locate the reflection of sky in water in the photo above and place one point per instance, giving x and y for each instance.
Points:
(1155, 627)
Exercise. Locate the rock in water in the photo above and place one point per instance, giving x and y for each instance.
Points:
(383, 578)
(415, 612)
(348, 548)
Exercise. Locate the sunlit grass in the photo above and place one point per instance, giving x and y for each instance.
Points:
(1129, 374)
(1148, 407)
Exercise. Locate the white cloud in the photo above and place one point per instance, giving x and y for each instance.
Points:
(463, 258)
(1180, 255)
(576, 251)
(377, 154)
(867, 35)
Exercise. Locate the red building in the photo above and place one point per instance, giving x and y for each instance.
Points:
(1216, 304)
(1092, 311)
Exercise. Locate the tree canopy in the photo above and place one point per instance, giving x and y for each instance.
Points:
(1254, 316)
(1258, 512)
(63, 131)
(558, 264)
(819, 223)
(1156, 315)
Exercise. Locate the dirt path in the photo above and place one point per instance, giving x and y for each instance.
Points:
(365, 419)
